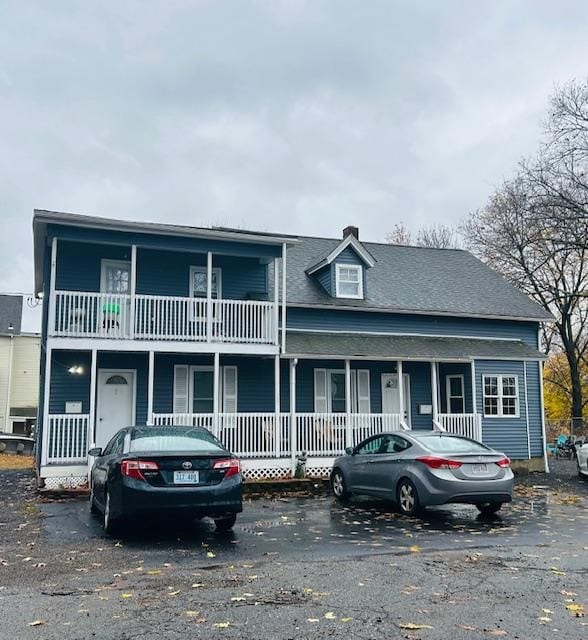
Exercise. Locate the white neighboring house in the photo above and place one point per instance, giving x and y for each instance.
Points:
(19, 370)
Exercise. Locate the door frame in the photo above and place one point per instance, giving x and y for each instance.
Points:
(406, 386)
(118, 263)
(448, 378)
(133, 372)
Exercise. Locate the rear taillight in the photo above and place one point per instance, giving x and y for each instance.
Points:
(439, 463)
(135, 468)
(231, 466)
(504, 463)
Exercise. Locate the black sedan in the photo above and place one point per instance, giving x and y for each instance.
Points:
(149, 470)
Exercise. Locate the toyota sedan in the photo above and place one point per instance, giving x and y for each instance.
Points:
(416, 470)
(176, 470)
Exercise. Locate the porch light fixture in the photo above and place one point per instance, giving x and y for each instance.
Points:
(76, 370)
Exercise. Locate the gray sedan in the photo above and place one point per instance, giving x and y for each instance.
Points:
(421, 469)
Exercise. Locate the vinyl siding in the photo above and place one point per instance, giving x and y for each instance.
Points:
(25, 372)
(505, 434)
(534, 394)
(325, 278)
(458, 369)
(363, 321)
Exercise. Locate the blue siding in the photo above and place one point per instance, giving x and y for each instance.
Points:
(65, 386)
(505, 434)
(448, 369)
(158, 241)
(79, 264)
(333, 320)
(420, 393)
(325, 278)
(534, 395)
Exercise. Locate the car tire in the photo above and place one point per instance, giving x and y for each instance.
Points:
(407, 497)
(489, 508)
(226, 523)
(111, 525)
(339, 486)
(93, 508)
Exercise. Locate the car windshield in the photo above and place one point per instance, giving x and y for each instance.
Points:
(154, 439)
(453, 444)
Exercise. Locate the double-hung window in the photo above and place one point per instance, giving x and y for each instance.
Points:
(348, 281)
(329, 391)
(501, 396)
(199, 282)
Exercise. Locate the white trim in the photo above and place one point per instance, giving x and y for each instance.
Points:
(398, 356)
(293, 431)
(434, 391)
(499, 397)
(46, 399)
(219, 281)
(541, 397)
(276, 302)
(474, 389)
(107, 262)
(150, 376)
(417, 312)
(348, 435)
(354, 267)
(284, 296)
(349, 240)
(448, 395)
(133, 288)
(93, 382)
(400, 375)
(133, 372)
(9, 383)
(527, 412)
(215, 385)
(277, 405)
(53, 277)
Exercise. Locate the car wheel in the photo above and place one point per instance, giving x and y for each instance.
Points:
(339, 486)
(110, 524)
(93, 507)
(489, 508)
(408, 497)
(226, 523)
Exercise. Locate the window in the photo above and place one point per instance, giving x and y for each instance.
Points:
(329, 391)
(202, 391)
(348, 281)
(501, 396)
(194, 389)
(384, 444)
(198, 282)
(455, 394)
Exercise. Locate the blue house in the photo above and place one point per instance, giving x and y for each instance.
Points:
(281, 345)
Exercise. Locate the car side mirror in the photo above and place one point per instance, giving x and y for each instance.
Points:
(349, 451)
(96, 452)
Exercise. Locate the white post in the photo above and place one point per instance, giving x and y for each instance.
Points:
(209, 296)
(277, 419)
(133, 290)
(284, 297)
(216, 392)
(474, 392)
(48, 354)
(527, 412)
(9, 383)
(400, 390)
(93, 369)
(348, 434)
(543, 435)
(151, 374)
(293, 430)
(276, 318)
(434, 391)
(52, 279)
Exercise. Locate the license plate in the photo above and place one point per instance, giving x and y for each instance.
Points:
(479, 468)
(186, 477)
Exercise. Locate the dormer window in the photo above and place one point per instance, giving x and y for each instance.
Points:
(349, 281)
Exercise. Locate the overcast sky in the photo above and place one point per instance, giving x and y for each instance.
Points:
(294, 116)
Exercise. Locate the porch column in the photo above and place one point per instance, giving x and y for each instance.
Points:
(52, 279)
(293, 430)
(151, 372)
(400, 391)
(474, 393)
(216, 390)
(133, 290)
(92, 426)
(209, 296)
(276, 316)
(277, 417)
(434, 392)
(348, 430)
(48, 356)
(284, 297)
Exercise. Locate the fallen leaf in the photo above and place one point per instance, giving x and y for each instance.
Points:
(496, 632)
(467, 627)
(238, 599)
(197, 585)
(576, 609)
(330, 615)
(544, 620)
(346, 619)
(547, 610)
(153, 572)
(222, 625)
(415, 548)
(36, 623)
(414, 627)
(192, 614)
(209, 554)
(126, 595)
(313, 620)
(173, 593)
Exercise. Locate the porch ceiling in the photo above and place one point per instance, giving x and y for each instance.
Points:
(377, 347)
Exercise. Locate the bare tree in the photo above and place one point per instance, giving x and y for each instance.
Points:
(438, 236)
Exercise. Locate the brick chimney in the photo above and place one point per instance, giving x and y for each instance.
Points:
(351, 231)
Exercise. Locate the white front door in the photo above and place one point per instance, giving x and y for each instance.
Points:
(391, 395)
(115, 407)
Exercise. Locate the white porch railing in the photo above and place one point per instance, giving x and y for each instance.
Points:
(462, 424)
(67, 438)
(105, 315)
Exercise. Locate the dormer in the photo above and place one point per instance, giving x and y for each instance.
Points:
(342, 272)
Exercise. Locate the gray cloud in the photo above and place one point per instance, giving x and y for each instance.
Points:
(295, 116)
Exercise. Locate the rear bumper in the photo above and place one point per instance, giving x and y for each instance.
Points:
(445, 488)
(139, 497)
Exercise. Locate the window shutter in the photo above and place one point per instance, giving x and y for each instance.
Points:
(320, 391)
(181, 389)
(363, 391)
(229, 397)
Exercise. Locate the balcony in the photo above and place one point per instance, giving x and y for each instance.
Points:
(148, 317)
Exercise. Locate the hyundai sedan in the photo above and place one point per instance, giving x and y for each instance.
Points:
(416, 470)
(176, 470)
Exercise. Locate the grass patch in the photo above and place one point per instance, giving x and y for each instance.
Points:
(14, 461)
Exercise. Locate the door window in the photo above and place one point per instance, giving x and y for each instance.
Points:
(203, 391)
(115, 277)
(455, 394)
(198, 282)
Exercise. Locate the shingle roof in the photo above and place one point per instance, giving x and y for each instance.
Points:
(414, 279)
(401, 347)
